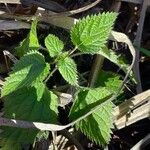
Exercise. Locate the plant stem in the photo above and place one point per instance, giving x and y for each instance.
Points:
(43, 48)
(96, 68)
(72, 51)
(55, 69)
(77, 54)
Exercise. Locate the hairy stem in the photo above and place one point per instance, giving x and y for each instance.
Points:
(73, 50)
(55, 69)
(77, 54)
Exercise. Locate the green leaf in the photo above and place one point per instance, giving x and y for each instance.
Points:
(8, 146)
(109, 80)
(116, 59)
(68, 70)
(112, 82)
(42, 135)
(54, 45)
(98, 125)
(23, 105)
(27, 71)
(30, 42)
(91, 33)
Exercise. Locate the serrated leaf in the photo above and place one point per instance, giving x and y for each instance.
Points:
(116, 59)
(27, 71)
(109, 80)
(40, 88)
(98, 125)
(23, 105)
(68, 70)
(30, 42)
(54, 45)
(90, 34)
(112, 82)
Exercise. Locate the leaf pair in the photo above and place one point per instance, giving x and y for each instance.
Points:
(65, 64)
(89, 36)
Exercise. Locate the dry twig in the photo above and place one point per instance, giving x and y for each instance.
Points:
(13, 25)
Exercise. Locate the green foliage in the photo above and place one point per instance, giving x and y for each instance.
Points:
(68, 70)
(28, 98)
(98, 125)
(109, 80)
(90, 34)
(113, 57)
(22, 104)
(11, 145)
(54, 45)
(28, 70)
(42, 135)
(29, 43)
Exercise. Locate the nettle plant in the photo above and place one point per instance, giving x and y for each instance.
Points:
(26, 96)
